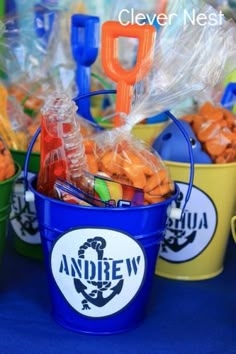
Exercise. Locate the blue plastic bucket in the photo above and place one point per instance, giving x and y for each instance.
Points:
(100, 261)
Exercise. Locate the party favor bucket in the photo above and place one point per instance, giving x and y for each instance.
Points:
(194, 248)
(100, 261)
(6, 189)
(23, 221)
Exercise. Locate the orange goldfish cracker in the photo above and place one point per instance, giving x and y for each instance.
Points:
(112, 162)
(86, 130)
(229, 117)
(7, 168)
(229, 155)
(211, 113)
(208, 131)
(135, 174)
(223, 123)
(155, 180)
(161, 190)
(133, 159)
(89, 146)
(33, 103)
(128, 162)
(92, 164)
(215, 127)
(206, 108)
(197, 124)
(153, 159)
(228, 134)
(214, 147)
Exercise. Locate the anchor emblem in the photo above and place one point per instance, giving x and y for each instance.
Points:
(96, 296)
(178, 240)
(173, 243)
(22, 213)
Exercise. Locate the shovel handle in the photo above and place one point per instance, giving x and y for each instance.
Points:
(126, 79)
(85, 45)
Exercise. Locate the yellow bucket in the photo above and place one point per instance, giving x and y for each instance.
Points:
(145, 132)
(233, 227)
(194, 248)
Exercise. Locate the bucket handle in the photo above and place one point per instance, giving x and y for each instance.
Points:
(174, 213)
(233, 227)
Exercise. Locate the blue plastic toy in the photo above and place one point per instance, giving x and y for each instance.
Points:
(11, 34)
(43, 22)
(229, 98)
(170, 145)
(85, 45)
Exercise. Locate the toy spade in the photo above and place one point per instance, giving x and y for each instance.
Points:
(43, 22)
(229, 97)
(170, 147)
(125, 79)
(85, 44)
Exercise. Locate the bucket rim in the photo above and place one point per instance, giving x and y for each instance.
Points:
(24, 152)
(201, 165)
(13, 178)
(138, 126)
(166, 202)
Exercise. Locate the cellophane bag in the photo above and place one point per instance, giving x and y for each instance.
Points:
(215, 128)
(180, 70)
(34, 64)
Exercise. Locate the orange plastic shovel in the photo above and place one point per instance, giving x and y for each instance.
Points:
(125, 79)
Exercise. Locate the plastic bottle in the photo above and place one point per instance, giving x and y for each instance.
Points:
(62, 150)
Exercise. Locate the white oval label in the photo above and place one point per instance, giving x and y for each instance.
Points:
(98, 271)
(185, 239)
(23, 215)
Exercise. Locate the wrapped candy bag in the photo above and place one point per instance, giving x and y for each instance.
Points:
(120, 157)
(30, 69)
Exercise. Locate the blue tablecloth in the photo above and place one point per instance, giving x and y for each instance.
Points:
(183, 317)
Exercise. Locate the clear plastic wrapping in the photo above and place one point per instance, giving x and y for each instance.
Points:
(186, 62)
(117, 155)
(36, 60)
(190, 60)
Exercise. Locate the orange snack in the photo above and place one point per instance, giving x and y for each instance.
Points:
(129, 163)
(7, 167)
(215, 127)
(208, 131)
(210, 112)
(27, 95)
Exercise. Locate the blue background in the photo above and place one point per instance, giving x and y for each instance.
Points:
(183, 317)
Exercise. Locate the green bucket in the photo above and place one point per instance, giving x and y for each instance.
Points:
(23, 221)
(6, 189)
